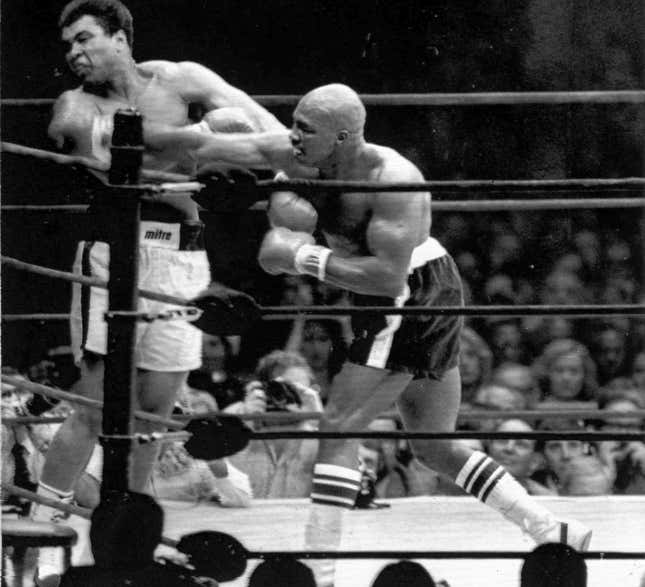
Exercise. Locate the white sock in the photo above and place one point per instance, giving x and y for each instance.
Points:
(489, 482)
(50, 560)
(334, 490)
(46, 513)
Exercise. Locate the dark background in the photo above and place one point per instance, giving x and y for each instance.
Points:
(291, 46)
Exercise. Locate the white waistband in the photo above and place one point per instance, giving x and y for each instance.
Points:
(427, 251)
(163, 235)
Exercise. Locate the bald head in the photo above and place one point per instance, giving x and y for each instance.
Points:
(337, 105)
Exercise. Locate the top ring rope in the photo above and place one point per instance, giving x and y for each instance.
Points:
(289, 311)
(435, 99)
(187, 183)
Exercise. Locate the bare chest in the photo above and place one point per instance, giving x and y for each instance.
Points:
(344, 219)
(158, 102)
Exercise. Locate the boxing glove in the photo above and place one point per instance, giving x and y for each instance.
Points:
(228, 119)
(291, 211)
(279, 249)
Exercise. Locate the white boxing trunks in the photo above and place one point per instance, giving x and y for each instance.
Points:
(170, 263)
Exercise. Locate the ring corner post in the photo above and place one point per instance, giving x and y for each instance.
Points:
(120, 370)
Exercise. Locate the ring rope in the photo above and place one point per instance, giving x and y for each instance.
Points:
(334, 185)
(470, 415)
(398, 434)
(496, 205)
(315, 185)
(466, 434)
(273, 311)
(335, 554)
(85, 401)
(434, 99)
(265, 435)
(98, 165)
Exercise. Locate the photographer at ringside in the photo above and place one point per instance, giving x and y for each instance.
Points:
(282, 467)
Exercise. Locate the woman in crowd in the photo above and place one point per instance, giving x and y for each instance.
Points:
(566, 373)
(322, 345)
(475, 364)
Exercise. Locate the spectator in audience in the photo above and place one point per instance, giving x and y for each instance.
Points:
(497, 398)
(282, 467)
(609, 351)
(321, 343)
(404, 574)
(573, 467)
(475, 363)
(283, 571)
(506, 340)
(216, 376)
(628, 457)
(559, 288)
(519, 456)
(566, 372)
(520, 378)
(554, 565)
(397, 473)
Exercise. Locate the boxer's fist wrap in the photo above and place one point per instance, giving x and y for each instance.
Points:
(279, 249)
(312, 260)
(291, 211)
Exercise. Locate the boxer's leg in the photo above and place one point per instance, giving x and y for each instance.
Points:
(157, 392)
(432, 405)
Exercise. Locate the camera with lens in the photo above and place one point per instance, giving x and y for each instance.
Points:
(280, 394)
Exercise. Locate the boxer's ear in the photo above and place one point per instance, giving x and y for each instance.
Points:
(342, 136)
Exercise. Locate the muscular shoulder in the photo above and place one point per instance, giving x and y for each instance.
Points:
(392, 166)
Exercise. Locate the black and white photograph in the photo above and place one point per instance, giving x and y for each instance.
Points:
(322, 294)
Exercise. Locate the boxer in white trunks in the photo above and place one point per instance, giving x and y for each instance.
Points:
(97, 35)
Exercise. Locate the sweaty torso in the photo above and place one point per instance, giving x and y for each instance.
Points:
(344, 218)
(87, 125)
(159, 101)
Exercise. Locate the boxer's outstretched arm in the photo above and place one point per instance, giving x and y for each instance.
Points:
(203, 86)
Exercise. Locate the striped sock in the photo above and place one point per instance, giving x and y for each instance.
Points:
(489, 482)
(334, 485)
(334, 489)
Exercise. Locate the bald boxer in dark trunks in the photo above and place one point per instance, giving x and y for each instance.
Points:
(377, 246)
(97, 36)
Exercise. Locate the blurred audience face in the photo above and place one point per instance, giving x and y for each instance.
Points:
(518, 377)
(562, 287)
(517, 455)
(506, 342)
(588, 245)
(469, 364)
(316, 345)
(585, 476)
(566, 377)
(213, 353)
(497, 398)
(610, 352)
(569, 263)
(638, 371)
(506, 249)
(559, 454)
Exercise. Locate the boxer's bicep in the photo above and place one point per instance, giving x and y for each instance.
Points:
(389, 236)
(203, 86)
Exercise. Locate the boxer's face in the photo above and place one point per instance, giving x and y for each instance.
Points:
(312, 136)
(92, 53)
